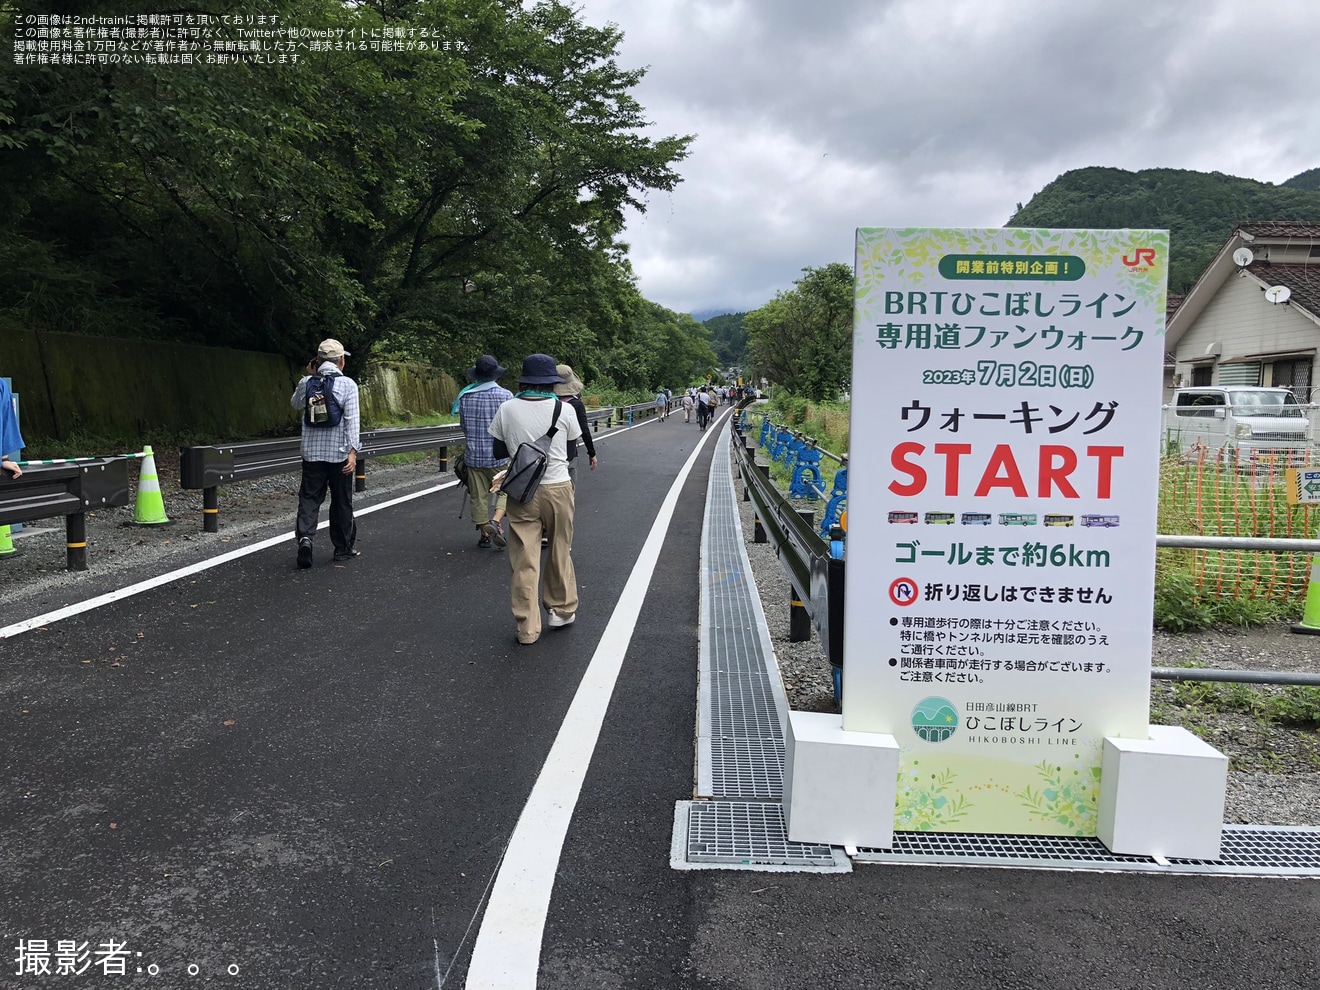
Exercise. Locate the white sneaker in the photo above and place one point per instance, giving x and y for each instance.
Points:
(557, 621)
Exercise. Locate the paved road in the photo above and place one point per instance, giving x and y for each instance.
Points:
(311, 777)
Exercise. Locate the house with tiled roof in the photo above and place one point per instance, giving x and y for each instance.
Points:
(1253, 319)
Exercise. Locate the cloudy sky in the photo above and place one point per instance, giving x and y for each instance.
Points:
(814, 117)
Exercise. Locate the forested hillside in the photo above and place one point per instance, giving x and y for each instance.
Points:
(1198, 209)
(428, 204)
(728, 338)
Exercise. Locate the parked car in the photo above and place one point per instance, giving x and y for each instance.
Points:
(1253, 425)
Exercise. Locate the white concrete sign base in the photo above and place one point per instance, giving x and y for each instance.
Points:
(839, 786)
(1162, 796)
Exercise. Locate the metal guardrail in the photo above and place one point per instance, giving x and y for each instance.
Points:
(68, 490)
(209, 467)
(1255, 543)
(1235, 676)
(637, 409)
(816, 576)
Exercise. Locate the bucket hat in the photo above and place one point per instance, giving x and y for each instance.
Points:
(487, 369)
(571, 384)
(539, 369)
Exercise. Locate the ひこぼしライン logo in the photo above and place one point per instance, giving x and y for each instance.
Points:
(934, 719)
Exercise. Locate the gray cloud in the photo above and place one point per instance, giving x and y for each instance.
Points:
(813, 119)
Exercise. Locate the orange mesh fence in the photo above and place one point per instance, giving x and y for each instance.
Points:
(1207, 492)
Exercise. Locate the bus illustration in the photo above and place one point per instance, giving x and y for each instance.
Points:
(939, 518)
(1108, 522)
(903, 517)
(1017, 518)
(976, 519)
(1058, 520)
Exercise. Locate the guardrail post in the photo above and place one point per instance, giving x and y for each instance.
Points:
(444, 459)
(211, 510)
(799, 622)
(758, 531)
(834, 596)
(75, 541)
(360, 476)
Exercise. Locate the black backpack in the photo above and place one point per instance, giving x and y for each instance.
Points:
(321, 407)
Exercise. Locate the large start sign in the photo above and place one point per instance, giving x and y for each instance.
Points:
(1001, 546)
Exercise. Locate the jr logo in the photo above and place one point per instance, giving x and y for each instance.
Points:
(1142, 256)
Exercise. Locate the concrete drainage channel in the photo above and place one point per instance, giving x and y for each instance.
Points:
(737, 821)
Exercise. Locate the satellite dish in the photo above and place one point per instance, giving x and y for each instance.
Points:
(1278, 294)
(1243, 257)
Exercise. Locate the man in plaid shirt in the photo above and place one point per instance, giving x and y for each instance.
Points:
(476, 407)
(329, 456)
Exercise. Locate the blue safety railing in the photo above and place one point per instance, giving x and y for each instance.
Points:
(801, 457)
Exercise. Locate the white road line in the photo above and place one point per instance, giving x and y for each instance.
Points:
(119, 594)
(507, 952)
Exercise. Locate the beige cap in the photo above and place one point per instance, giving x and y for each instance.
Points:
(331, 350)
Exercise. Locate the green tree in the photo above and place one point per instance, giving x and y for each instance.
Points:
(660, 347)
(1199, 209)
(426, 204)
(802, 339)
(729, 339)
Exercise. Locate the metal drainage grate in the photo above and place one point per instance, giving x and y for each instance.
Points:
(1245, 849)
(740, 752)
(746, 834)
(748, 768)
(1283, 850)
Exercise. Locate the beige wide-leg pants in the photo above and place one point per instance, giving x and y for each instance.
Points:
(552, 508)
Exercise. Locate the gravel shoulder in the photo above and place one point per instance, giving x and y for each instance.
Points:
(1274, 770)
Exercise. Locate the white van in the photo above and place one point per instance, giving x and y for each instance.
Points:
(1261, 425)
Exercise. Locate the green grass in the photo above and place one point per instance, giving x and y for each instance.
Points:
(1293, 706)
(80, 444)
(1183, 605)
(1197, 589)
(417, 419)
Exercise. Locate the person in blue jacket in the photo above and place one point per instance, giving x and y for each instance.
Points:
(10, 438)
